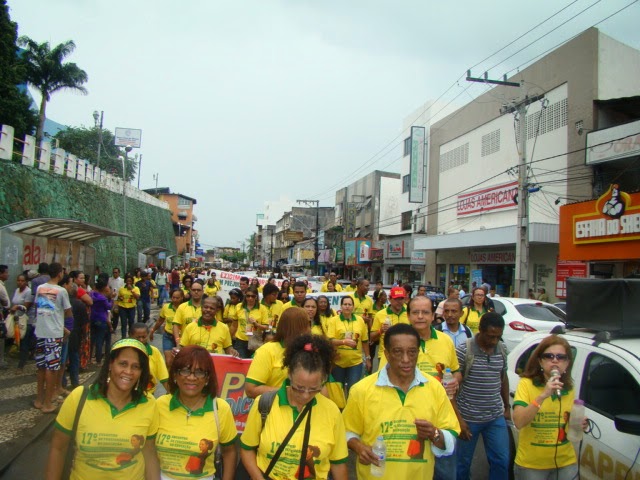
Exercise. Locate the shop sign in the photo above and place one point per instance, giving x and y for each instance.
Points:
(566, 269)
(376, 254)
(621, 141)
(614, 218)
(501, 257)
(350, 252)
(418, 257)
(492, 199)
(395, 249)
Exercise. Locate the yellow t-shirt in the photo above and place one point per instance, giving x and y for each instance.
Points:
(158, 367)
(381, 317)
(537, 441)
(210, 291)
(289, 304)
(355, 328)
(324, 321)
(472, 319)
(436, 354)
(215, 337)
(327, 438)
(324, 287)
(362, 305)
(231, 311)
(181, 451)
(109, 442)
(317, 330)
(374, 410)
(349, 288)
(168, 312)
(258, 313)
(274, 312)
(186, 314)
(126, 298)
(266, 367)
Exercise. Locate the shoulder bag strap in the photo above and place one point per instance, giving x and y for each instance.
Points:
(264, 405)
(71, 449)
(272, 463)
(215, 412)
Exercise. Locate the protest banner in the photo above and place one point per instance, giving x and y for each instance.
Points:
(231, 374)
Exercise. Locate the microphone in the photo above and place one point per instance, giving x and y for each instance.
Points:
(555, 372)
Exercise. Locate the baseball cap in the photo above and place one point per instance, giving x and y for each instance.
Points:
(397, 292)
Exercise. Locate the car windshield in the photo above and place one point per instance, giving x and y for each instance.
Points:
(541, 312)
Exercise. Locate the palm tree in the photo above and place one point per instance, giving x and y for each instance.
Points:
(46, 72)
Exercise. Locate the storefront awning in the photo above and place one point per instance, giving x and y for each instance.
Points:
(153, 251)
(74, 230)
(538, 233)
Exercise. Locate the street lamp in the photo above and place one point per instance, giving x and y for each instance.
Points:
(98, 125)
(124, 205)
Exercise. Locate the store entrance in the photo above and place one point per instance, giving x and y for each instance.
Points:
(502, 277)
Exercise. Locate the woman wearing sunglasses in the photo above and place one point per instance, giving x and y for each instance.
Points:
(541, 416)
(189, 432)
(253, 319)
(309, 359)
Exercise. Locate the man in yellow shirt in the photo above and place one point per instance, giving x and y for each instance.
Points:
(299, 294)
(410, 411)
(188, 312)
(333, 278)
(208, 332)
(157, 366)
(395, 313)
(362, 302)
(273, 305)
(353, 286)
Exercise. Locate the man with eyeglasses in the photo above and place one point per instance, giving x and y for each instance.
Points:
(408, 409)
(299, 294)
(333, 278)
(189, 311)
(483, 399)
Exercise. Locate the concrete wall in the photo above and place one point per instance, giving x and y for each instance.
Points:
(27, 193)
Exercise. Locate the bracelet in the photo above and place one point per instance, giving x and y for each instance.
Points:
(368, 357)
(535, 404)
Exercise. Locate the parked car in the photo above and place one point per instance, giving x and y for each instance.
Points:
(561, 305)
(523, 315)
(606, 375)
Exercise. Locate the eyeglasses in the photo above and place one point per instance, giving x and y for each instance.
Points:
(418, 313)
(198, 373)
(197, 290)
(312, 391)
(399, 354)
(250, 296)
(558, 356)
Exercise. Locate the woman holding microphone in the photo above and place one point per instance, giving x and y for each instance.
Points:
(541, 410)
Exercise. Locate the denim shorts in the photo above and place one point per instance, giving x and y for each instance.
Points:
(168, 342)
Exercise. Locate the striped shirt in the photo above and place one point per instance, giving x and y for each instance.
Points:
(479, 398)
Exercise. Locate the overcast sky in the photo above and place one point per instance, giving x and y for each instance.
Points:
(242, 101)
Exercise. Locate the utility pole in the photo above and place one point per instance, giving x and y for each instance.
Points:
(522, 226)
(316, 253)
(95, 118)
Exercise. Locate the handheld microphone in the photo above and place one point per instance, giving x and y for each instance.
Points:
(555, 372)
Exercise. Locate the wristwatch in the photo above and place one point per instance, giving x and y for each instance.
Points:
(436, 436)
(367, 357)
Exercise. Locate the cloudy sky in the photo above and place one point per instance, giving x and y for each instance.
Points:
(243, 101)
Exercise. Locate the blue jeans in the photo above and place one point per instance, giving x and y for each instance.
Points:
(127, 319)
(144, 310)
(348, 376)
(242, 347)
(496, 443)
(445, 468)
(101, 334)
(162, 295)
(74, 367)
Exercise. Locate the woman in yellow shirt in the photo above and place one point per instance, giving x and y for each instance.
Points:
(211, 288)
(127, 299)
(166, 316)
(325, 311)
(266, 371)
(189, 432)
(253, 319)
(310, 306)
(477, 307)
(349, 333)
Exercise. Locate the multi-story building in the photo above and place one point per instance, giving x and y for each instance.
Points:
(183, 219)
(266, 225)
(590, 82)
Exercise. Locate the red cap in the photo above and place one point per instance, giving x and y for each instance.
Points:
(397, 292)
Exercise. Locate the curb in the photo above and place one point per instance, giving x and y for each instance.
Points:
(13, 448)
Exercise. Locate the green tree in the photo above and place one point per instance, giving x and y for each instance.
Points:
(46, 71)
(83, 143)
(15, 104)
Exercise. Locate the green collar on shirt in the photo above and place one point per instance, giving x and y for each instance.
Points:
(391, 312)
(537, 383)
(176, 403)
(352, 319)
(200, 324)
(283, 400)
(433, 336)
(94, 394)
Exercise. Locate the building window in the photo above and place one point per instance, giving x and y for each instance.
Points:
(454, 158)
(405, 183)
(184, 202)
(407, 146)
(406, 220)
(491, 143)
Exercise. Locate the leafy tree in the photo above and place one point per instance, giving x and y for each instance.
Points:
(15, 104)
(83, 143)
(47, 72)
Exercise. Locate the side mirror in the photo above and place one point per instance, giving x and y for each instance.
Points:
(628, 423)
